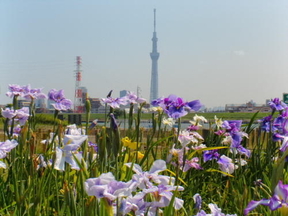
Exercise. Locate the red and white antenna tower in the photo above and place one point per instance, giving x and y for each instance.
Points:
(78, 104)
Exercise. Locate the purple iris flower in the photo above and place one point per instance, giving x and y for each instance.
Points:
(69, 151)
(277, 137)
(133, 98)
(17, 130)
(113, 121)
(194, 105)
(277, 104)
(164, 195)
(278, 200)
(6, 147)
(193, 127)
(226, 164)
(265, 123)
(135, 204)
(210, 155)
(193, 163)
(157, 102)
(20, 115)
(280, 124)
(16, 90)
(93, 124)
(232, 126)
(114, 102)
(93, 145)
(8, 113)
(105, 186)
(175, 107)
(33, 93)
(198, 201)
(233, 129)
(146, 179)
(61, 102)
(238, 148)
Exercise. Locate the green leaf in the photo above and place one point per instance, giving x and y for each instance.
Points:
(214, 170)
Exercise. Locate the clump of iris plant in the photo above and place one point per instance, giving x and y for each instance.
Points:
(234, 136)
(146, 193)
(189, 140)
(279, 200)
(278, 125)
(231, 134)
(178, 157)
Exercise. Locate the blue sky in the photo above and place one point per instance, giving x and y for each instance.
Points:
(217, 51)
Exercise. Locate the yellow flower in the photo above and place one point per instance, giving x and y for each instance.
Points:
(139, 155)
(127, 143)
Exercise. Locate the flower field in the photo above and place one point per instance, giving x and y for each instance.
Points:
(235, 169)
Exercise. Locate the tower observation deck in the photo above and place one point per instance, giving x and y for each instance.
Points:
(154, 71)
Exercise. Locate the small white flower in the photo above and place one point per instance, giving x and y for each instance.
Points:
(156, 109)
(168, 121)
(218, 122)
(199, 118)
(73, 130)
(227, 140)
(201, 146)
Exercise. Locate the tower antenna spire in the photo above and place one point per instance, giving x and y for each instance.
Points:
(154, 71)
(154, 20)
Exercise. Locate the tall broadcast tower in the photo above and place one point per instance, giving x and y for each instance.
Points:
(78, 104)
(154, 57)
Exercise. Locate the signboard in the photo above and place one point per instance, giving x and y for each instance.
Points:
(285, 98)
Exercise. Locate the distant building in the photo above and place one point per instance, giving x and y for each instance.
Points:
(23, 103)
(40, 103)
(49, 104)
(247, 107)
(123, 93)
(84, 94)
(96, 106)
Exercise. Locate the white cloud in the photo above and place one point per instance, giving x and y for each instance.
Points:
(239, 52)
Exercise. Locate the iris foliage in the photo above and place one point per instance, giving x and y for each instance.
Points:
(229, 169)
